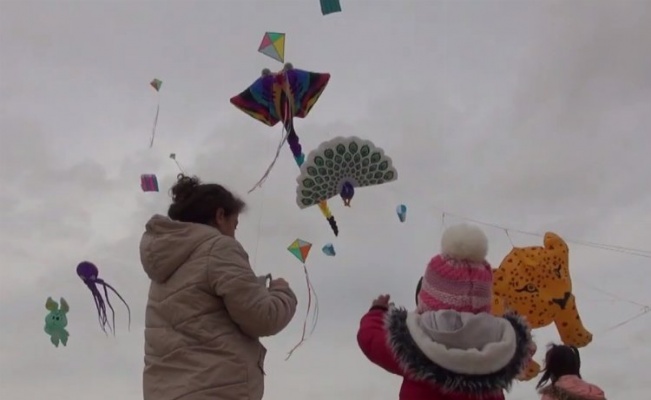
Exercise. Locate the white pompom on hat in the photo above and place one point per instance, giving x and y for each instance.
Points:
(459, 278)
(464, 242)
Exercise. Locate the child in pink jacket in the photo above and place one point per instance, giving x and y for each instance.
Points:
(562, 370)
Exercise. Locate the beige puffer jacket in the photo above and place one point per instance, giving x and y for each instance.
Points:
(205, 313)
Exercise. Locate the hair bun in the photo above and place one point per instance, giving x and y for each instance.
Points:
(184, 187)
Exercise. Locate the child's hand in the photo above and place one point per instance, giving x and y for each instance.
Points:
(381, 301)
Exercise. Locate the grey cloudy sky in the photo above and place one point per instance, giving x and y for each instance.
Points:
(532, 115)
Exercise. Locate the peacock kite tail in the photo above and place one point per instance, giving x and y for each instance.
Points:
(325, 210)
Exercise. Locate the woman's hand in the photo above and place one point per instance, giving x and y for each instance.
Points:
(265, 280)
(278, 283)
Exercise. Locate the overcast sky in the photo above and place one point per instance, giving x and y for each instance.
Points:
(533, 115)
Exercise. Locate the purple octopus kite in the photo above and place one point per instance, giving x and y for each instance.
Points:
(89, 273)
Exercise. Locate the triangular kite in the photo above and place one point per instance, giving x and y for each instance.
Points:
(273, 46)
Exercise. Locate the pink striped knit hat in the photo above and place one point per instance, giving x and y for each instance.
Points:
(459, 278)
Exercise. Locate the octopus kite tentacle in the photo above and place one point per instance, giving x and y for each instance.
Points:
(106, 285)
(101, 316)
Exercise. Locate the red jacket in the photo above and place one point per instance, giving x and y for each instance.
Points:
(386, 338)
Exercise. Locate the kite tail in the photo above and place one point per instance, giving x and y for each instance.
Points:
(315, 313)
(310, 292)
(292, 137)
(288, 129)
(153, 130)
(330, 6)
(266, 174)
(117, 294)
(325, 210)
(295, 146)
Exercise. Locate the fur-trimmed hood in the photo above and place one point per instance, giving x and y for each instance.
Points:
(457, 351)
(571, 387)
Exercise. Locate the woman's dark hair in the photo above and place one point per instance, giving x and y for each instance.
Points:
(560, 360)
(418, 287)
(193, 201)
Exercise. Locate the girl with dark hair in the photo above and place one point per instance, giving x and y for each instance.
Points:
(206, 310)
(563, 373)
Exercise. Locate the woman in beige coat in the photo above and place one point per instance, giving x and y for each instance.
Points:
(206, 309)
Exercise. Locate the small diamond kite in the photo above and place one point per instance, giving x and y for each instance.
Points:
(273, 45)
(300, 249)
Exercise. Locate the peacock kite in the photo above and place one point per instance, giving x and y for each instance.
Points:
(338, 167)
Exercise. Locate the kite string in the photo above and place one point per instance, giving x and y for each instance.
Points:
(315, 313)
(288, 130)
(602, 246)
(273, 162)
(645, 310)
(153, 130)
(262, 202)
(178, 165)
(310, 291)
